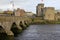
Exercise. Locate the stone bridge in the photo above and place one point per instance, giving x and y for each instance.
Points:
(6, 23)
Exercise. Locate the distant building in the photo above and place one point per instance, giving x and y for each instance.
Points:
(29, 14)
(19, 12)
(39, 10)
(8, 12)
(4, 14)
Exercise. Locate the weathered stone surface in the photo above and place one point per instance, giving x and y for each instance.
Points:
(7, 21)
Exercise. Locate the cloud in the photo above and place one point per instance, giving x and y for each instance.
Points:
(29, 5)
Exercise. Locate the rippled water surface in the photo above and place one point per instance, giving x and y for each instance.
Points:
(40, 32)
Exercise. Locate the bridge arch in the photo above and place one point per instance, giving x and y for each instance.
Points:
(2, 29)
(14, 27)
(23, 26)
(26, 23)
(3, 33)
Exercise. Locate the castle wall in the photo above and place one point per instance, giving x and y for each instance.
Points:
(57, 16)
(49, 13)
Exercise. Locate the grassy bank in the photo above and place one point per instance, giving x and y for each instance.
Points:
(39, 21)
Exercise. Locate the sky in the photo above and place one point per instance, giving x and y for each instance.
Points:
(28, 5)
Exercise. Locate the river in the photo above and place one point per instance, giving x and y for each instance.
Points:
(40, 32)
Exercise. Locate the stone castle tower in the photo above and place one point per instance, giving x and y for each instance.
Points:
(46, 13)
(39, 10)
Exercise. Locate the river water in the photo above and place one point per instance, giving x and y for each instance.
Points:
(40, 32)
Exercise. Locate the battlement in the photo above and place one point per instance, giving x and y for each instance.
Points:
(40, 4)
(49, 8)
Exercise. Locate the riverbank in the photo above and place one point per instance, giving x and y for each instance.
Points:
(38, 20)
(44, 22)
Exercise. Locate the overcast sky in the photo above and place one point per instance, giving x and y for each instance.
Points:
(28, 5)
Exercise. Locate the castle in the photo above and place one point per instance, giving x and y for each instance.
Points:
(47, 13)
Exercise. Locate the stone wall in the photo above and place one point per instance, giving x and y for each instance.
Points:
(49, 13)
